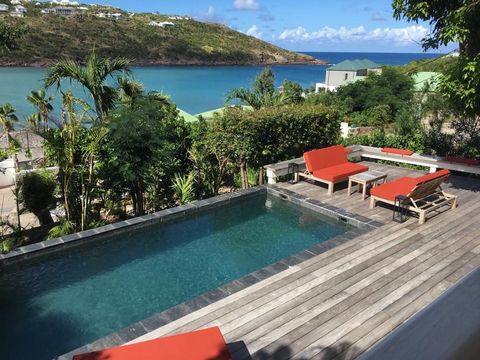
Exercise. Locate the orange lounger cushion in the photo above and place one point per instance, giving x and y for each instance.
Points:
(402, 152)
(339, 172)
(205, 344)
(392, 189)
(432, 176)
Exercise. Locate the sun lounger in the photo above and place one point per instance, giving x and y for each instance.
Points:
(424, 193)
(330, 166)
(198, 345)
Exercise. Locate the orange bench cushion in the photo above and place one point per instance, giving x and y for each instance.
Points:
(462, 160)
(198, 345)
(324, 158)
(402, 152)
(339, 172)
(392, 189)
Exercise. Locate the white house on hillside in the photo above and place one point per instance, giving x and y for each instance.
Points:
(21, 8)
(161, 24)
(15, 2)
(345, 72)
(3, 7)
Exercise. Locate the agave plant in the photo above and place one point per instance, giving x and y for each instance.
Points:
(183, 186)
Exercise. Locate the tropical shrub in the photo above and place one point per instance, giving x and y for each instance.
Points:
(143, 150)
(253, 139)
(393, 87)
(380, 139)
(37, 195)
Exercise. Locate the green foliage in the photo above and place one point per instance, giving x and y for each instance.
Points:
(407, 121)
(380, 139)
(143, 150)
(42, 102)
(8, 244)
(263, 92)
(269, 135)
(183, 186)
(37, 194)
(7, 121)
(392, 88)
(441, 65)
(450, 21)
(93, 77)
(65, 227)
(10, 34)
(377, 117)
(208, 163)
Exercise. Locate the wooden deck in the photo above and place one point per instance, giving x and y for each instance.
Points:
(338, 304)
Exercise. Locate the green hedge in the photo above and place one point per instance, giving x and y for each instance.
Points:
(275, 134)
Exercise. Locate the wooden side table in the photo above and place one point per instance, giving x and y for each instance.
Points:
(365, 180)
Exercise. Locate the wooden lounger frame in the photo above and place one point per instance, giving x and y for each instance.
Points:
(424, 198)
(329, 183)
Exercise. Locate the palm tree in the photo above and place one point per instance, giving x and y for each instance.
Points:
(128, 89)
(7, 119)
(92, 76)
(40, 100)
(263, 93)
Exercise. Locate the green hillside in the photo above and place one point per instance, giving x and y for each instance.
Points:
(49, 37)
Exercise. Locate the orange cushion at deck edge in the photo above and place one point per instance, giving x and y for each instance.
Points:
(198, 345)
(397, 151)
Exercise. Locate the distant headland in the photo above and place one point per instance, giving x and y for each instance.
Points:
(46, 33)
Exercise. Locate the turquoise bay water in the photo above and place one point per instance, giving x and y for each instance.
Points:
(59, 303)
(194, 89)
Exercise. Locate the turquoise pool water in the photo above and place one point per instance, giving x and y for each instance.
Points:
(56, 304)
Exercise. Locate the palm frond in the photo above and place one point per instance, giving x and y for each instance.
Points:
(66, 69)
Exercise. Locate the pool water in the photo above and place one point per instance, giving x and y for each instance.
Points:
(58, 303)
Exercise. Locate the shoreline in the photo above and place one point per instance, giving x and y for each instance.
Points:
(46, 64)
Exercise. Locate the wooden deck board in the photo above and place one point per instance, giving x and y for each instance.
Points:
(342, 302)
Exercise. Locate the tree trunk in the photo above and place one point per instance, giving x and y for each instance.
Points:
(243, 173)
(261, 176)
(44, 217)
(133, 195)
(141, 205)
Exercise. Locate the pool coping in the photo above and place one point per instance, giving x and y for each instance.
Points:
(361, 225)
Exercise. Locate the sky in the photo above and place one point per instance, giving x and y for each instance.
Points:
(302, 25)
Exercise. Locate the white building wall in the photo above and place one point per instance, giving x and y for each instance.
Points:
(7, 173)
(339, 78)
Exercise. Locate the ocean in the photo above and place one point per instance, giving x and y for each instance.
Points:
(194, 89)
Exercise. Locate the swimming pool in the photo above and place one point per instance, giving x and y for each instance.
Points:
(57, 303)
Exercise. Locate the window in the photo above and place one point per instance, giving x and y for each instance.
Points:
(346, 76)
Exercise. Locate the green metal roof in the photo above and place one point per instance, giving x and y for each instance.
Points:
(188, 117)
(354, 65)
(423, 78)
(209, 114)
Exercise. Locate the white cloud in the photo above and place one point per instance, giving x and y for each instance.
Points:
(254, 31)
(246, 5)
(211, 15)
(210, 11)
(399, 36)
